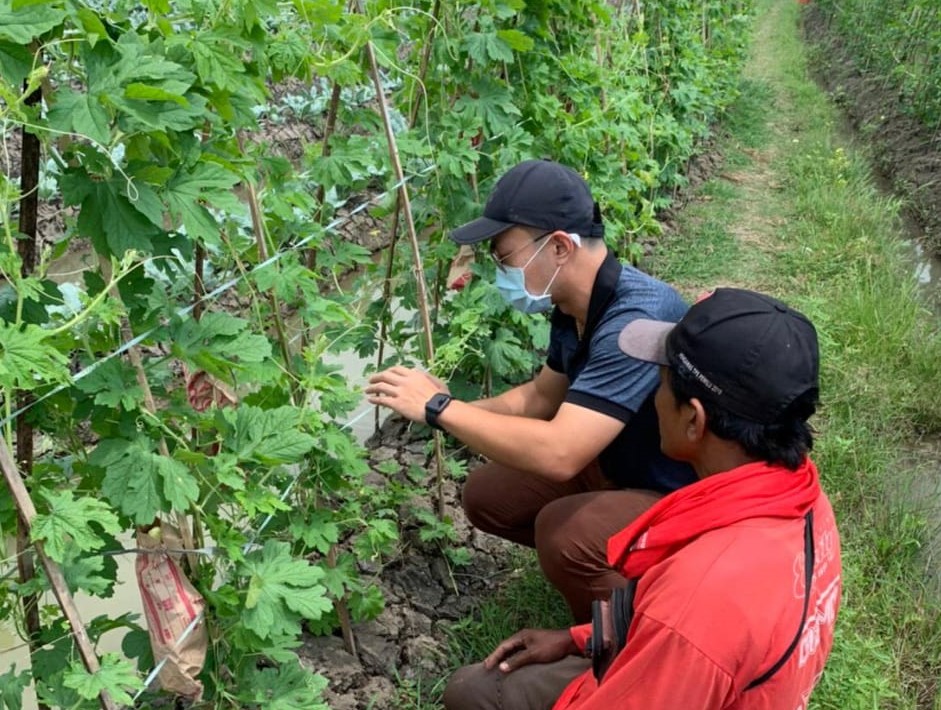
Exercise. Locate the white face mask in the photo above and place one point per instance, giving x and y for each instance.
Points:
(511, 282)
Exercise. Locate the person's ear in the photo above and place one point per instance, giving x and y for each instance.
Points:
(562, 246)
(695, 422)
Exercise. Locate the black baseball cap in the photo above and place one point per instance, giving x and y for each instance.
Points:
(536, 193)
(746, 352)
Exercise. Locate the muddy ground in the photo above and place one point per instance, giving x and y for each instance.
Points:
(905, 151)
(409, 640)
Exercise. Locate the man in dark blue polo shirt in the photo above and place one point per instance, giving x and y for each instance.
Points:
(574, 455)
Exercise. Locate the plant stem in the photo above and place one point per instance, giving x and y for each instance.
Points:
(258, 227)
(343, 611)
(387, 293)
(325, 152)
(423, 69)
(150, 404)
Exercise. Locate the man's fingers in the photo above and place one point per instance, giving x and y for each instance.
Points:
(518, 660)
(383, 389)
(386, 376)
(503, 650)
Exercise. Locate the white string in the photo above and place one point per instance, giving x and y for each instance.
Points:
(212, 294)
(156, 671)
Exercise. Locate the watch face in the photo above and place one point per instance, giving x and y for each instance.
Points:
(439, 401)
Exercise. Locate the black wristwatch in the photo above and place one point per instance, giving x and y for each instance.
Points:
(434, 407)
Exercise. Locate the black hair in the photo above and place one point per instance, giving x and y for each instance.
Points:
(786, 441)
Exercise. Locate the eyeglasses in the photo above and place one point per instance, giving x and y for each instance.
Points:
(500, 261)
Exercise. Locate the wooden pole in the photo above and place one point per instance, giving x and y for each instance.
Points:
(27, 511)
(27, 249)
(418, 268)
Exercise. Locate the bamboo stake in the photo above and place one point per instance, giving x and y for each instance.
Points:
(418, 269)
(199, 285)
(393, 241)
(258, 226)
(27, 511)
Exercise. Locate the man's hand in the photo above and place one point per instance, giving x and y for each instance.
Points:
(404, 390)
(531, 646)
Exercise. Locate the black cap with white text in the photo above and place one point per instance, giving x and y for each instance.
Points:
(744, 351)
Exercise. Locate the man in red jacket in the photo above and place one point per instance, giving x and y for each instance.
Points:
(734, 581)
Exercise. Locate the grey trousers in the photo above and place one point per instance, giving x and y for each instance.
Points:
(533, 687)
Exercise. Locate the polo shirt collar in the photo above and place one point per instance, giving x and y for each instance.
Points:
(602, 292)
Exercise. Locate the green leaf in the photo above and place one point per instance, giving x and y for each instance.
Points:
(92, 24)
(206, 184)
(52, 693)
(116, 675)
(26, 361)
(20, 25)
(88, 573)
(179, 486)
(506, 353)
(281, 591)
(12, 685)
(146, 92)
(367, 603)
(217, 63)
(484, 47)
(516, 40)
(69, 521)
(113, 383)
(16, 62)
(162, 116)
(267, 435)
(133, 478)
(489, 104)
(217, 342)
(113, 222)
(289, 687)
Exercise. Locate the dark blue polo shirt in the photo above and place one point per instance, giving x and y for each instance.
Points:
(604, 379)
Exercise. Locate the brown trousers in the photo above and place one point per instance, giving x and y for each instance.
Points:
(534, 687)
(568, 523)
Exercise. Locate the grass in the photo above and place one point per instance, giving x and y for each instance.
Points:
(795, 212)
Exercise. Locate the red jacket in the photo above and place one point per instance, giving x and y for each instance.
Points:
(718, 612)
